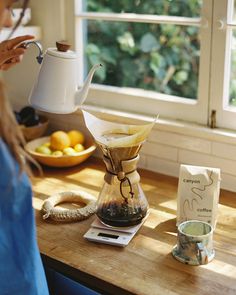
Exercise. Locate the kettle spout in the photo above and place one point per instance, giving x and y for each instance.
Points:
(82, 93)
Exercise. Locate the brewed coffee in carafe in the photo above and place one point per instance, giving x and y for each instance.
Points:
(121, 201)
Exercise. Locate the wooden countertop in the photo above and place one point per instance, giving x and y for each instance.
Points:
(146, 265)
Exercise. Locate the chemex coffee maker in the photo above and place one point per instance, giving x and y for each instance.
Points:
(121, 202)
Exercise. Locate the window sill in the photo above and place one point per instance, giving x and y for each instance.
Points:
(163, 124)
(134, 100)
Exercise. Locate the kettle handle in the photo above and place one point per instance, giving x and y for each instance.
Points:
(40, 56)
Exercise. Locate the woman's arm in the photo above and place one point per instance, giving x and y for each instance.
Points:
(11, 53)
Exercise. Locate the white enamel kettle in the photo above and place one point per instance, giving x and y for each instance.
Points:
(55, 89)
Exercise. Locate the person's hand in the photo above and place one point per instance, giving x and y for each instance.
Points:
(11, 53)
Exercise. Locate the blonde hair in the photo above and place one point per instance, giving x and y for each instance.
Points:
(9, 129)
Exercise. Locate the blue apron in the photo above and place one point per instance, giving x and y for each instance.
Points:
(21, 270)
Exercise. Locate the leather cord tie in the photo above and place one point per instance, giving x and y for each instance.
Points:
(122, 178)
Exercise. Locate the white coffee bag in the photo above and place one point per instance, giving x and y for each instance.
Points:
(198, 194)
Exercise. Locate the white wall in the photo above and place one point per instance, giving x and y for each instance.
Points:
(55, 17)
(51, 16)
(171, 144)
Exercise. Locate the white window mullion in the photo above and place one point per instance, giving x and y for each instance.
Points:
(204, 68)
(141, 18)
(229, 25)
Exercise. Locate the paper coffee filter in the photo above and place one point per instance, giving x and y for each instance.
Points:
(124, 135)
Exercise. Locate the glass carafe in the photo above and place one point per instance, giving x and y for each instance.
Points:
(121, 201)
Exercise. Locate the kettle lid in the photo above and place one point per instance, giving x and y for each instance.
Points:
(55, 52)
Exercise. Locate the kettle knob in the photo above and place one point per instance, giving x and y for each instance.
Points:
(62, 46)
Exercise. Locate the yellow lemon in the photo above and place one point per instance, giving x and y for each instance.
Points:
(75, 137)
(43, 150)
(69, 151)
(59, 140)
(47, 144)
(57, 153)
(78, 147)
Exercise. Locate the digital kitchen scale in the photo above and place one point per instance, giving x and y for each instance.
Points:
(117, 236)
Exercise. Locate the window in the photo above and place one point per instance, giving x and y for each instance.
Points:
(172, 57)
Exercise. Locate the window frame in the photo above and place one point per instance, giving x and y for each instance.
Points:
(221, 65)
(150, 102)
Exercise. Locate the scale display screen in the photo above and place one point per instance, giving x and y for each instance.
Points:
(108, 236)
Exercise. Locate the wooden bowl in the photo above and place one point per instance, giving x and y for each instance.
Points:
(36, 131)
(59, 161)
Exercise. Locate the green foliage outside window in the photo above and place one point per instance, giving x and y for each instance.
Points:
(159, 57)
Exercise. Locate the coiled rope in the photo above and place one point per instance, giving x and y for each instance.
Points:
(58, 214)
